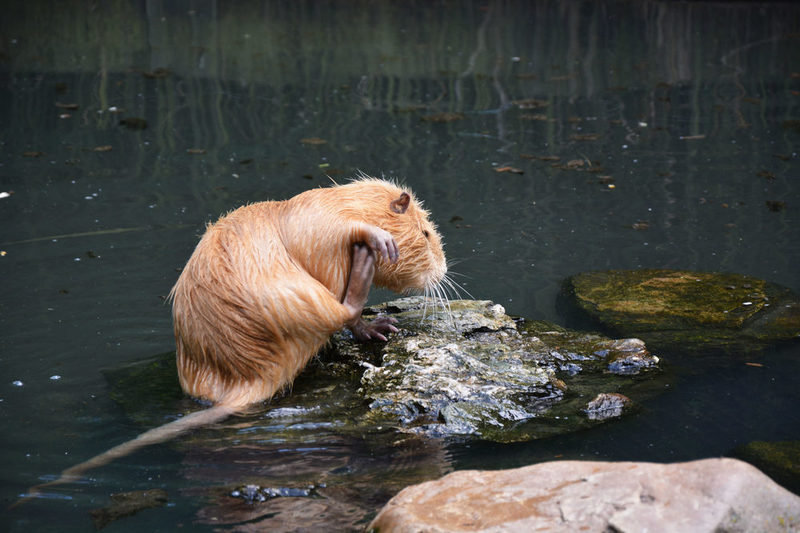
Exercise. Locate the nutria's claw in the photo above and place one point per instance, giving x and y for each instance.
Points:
(383, 244)
(375, 330)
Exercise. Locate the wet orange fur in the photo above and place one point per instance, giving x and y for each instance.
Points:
(263, 290)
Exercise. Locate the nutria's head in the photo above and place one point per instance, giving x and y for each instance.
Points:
(421, 265)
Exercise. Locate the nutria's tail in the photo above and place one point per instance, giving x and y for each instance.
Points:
(154, 436)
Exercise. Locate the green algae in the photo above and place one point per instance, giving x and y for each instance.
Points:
(688, 311)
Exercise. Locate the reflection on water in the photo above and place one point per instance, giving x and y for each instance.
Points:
(647, 135)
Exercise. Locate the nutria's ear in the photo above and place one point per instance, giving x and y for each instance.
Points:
(400, 205)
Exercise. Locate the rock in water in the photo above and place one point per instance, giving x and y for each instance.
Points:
(711, 495)
(689, 311)
(473, 370)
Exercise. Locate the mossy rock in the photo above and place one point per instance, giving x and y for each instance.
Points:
(779, 460)
(689, 311)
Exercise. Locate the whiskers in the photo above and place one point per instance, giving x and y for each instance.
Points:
(441, 292)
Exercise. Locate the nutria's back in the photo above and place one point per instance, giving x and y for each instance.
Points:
(263, 290)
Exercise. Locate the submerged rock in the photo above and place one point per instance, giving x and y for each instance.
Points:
(473, 370)
(689, 311)
(126, 504)
(711, 495)
(779, 460)
(607, 405)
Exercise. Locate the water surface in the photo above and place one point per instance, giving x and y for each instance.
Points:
(674, 126)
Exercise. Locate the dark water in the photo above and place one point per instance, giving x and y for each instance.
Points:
(682, 118)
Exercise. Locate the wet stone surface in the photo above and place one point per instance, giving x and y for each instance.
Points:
(473, 370)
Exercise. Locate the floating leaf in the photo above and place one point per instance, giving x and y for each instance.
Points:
(511, 170)
(574, 164)
(584, 136)
(540, 117)
(156, 73)
(442, 117)
(32, 153)
(757, 365)
(540, 157)
(766, 174)
(134, 123)
(313, 141)
(640, 225)
(104, 148)
(791, 125)
(530, 103)
(776, 205)
(196, 151)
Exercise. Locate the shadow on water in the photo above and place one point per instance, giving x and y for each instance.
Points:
(546, 139)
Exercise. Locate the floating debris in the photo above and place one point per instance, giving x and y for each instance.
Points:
(692, 137)
(540, 157)
(71, 107)
(510, 170)
(196, 151)
(776, 205)
(792, 125)
(530, 103)
(133, 123)
(104, 148)
(314, 141)
(766, 174)
(584, 136)
(442, 117)
(538, 116)
(640, 225)
(32, 153)
(157, 73)
(6, 194)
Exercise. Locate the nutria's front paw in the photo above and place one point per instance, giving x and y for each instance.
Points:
(377, 329)
(383, 244)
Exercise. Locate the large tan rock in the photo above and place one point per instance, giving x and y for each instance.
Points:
(711, 495)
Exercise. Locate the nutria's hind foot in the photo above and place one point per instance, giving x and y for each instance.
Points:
(361, 274)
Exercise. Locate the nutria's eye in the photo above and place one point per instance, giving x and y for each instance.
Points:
(426, 233)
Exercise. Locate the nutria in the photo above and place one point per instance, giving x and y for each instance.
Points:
(268, 284)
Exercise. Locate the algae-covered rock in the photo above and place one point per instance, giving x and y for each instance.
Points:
(779, 460)
(473, 370)
(689, 311)
(126, 504)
